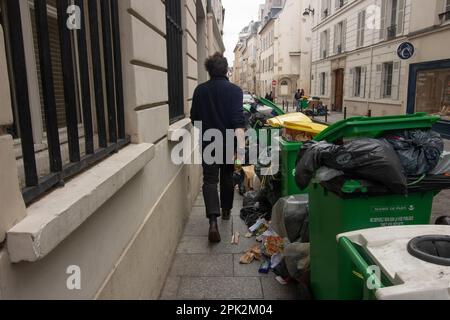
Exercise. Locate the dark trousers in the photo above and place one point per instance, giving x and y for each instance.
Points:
(211, 175)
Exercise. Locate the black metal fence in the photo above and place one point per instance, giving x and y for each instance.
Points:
(110, 125)
(175, 59)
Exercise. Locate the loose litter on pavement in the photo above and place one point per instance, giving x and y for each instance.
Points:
(235, 238)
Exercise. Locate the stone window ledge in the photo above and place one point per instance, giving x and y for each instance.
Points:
(53, 218)
(174, 134)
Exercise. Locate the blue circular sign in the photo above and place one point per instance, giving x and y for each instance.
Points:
(405, 50)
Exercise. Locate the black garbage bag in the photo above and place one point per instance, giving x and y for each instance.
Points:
(309, 160)
(253, 213)
(369, 159)
(290, 218)
(250, 198)
(419, 150)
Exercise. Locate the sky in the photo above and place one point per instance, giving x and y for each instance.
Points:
(238, 14)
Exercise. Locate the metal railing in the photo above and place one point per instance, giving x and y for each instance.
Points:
(110, 124)
(391, 32)
(175, 60)
(445, 16)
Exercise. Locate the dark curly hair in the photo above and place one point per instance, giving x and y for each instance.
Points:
(217, 65)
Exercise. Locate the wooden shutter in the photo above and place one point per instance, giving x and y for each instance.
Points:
(358, 32)
(344, 35)
(362, 91)
(349, 83)
(396, 80)
(326, 84)
(383, 21)
(400, 16)
(378, 80)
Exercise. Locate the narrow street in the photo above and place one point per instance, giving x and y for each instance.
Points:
(204, 271)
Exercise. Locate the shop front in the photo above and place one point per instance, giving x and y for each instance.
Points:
(429, 91)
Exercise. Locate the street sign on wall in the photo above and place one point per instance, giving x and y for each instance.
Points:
(405, 50)
(274, 83)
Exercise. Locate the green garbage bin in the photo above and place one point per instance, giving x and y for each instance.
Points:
(289, 151)
(331, 215)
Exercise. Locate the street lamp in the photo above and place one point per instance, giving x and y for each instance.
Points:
(308, 11)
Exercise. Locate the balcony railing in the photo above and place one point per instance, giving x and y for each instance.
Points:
(391, 32)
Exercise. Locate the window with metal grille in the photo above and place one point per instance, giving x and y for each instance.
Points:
(175, 60)
(92, 117)
(388, 69)
(445, 16)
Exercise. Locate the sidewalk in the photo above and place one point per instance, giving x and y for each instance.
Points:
(202, 271)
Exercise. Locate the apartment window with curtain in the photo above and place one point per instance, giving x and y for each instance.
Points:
(388, 70)
(359, 81)
(340, 3)
(340, 31)
(392, 19)
(324, 44)
(322, 83)
(445, 15)
(326, 9)
(361, 28)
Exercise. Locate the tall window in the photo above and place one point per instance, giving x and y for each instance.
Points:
(445, 16)
(340, 3)
(340, 37)
(70, 125)
(175, 60)
(388, 69)
(392, 18)
(322, 83)
(324, 44)
(361, 29)
(326, 9)
(357, 72)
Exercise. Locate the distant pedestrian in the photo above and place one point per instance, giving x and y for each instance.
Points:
(271, 96)
(298, 98)
(218, 105)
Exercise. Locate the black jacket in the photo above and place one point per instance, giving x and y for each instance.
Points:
(219, 105)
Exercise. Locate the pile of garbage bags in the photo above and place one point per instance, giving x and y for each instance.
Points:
(390, 164)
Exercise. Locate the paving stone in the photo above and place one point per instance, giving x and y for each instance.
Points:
(248, 270)
(197, 245)
(202, 265)
(198, 226)
(221, 288)
(170, 289)
(273, 290)
(239, 225)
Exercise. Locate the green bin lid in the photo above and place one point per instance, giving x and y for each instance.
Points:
(375, 126)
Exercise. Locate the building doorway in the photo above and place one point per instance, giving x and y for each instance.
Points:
(338, 90)
(429, 91)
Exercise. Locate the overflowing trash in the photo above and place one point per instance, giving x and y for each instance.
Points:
(419, 150)
(369, 159)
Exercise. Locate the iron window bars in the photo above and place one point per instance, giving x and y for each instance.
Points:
(175, 60)
(110, 125)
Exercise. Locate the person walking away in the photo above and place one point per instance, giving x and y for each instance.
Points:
(218, 105)
(298, 99)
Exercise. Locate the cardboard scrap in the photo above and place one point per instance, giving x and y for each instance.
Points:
(254, 253)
